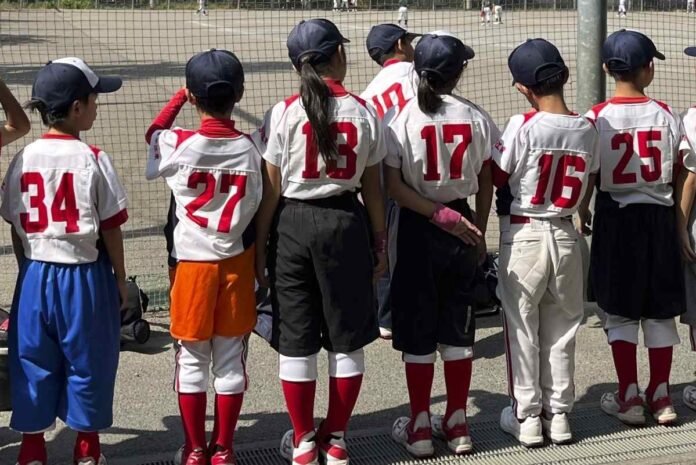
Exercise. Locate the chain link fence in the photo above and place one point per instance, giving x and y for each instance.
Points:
(148, 42)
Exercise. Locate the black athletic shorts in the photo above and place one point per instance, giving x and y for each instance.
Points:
(320, 264)
(432, 288)
(635, 262)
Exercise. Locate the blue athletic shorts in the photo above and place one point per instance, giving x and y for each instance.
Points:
(64, 346)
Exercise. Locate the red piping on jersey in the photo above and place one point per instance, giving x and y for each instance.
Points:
(115, 221)
(49, 135)
(391, 61)
(336, 88)
(95, 150)
(167, 115)
(218, 128)
(182, 135)
(529, 115)
(628, 100)
(500, 177)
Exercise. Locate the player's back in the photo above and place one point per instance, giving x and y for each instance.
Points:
(548, 158)
(442, 153)
(394, 85)
(58, 193)
(215, 177)
(639, 140)
(305, 175)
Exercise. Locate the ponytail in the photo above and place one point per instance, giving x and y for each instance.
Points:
(429, 101)
(317, 102)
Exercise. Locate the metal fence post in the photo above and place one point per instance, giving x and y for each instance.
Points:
(592, 30)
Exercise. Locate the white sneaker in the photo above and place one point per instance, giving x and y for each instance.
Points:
(630, 412)
(528, 432)
(333, 449)
(92, 461)
(385, 333)
(557, 428)
(457, 437)
(306, 453)
(418, 443)
(690, 397)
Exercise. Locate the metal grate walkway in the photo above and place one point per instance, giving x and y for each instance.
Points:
(599, 440)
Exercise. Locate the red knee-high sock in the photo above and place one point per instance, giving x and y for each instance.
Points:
(457, 381)
(343, 394)
(660, 368)
(299, 398)
(626, 365)
(192, 408)
(419, 379)
(227, 408)
(33, 448)
(87, 445)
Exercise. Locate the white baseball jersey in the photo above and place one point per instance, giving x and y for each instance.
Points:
(687, 148)
(305, 175)
(215, 176)
(639, 143)
(547, 159)
(58, 193)
(393, 86)
(441, 155)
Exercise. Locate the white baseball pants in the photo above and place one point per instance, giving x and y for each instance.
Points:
(540, 284)
(403, 13)
(228, 356)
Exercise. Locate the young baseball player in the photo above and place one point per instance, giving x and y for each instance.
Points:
(547, 159)
(686, 225)
(323, 145)
(690, 6)
(214, 174)
(202, 7)
(443, 156)
(486, 9)
(389, 46)
(17, 123)
(403, 12)
(622, 8)
(636, 268)
(498, 14)
(66, 206)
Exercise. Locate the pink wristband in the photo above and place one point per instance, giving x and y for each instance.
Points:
(445, 217)
(380, 242)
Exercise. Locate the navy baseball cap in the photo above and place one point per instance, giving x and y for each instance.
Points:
(691, 51)
(534, 61)
(441, 53)
(317, 37)
(626, 50)
(214, 68)
(58, 84)
(383, 37)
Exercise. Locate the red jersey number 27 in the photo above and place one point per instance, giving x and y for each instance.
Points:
(63, 208)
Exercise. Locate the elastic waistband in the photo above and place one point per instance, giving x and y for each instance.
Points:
(518, 219)
(347, 199)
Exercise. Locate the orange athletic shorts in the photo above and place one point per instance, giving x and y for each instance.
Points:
(213, 298)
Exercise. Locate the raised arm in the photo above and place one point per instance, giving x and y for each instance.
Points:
(17, 123)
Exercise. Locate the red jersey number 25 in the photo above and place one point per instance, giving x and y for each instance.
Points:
(346, 151)
(63, 208)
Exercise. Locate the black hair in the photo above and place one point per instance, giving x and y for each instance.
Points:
(50, 117)
(430, 87)
(316, 98)
(388, 53)
(551, 86)
(221, 100)
(627, 76)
